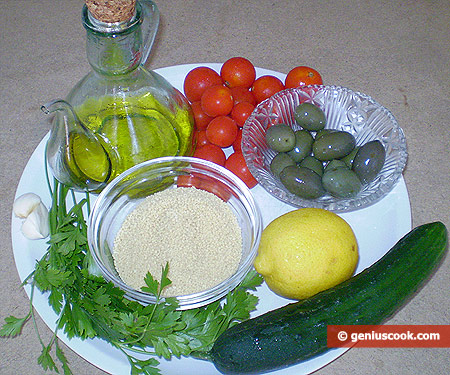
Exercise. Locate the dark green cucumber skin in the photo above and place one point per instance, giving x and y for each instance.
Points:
(298, 331)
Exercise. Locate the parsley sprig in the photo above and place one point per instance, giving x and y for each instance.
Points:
(90, 307)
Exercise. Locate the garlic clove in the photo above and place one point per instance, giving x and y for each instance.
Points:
(44, 222)
(36, 225)
(25, 204)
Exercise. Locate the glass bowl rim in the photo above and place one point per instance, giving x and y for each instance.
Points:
(197, 299)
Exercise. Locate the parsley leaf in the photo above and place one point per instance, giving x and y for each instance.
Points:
(147, 367)
(152, 285)
(46, 360)
(90, 307)
(13, 326)
(62, 358)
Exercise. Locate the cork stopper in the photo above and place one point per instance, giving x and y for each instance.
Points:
(111, 11)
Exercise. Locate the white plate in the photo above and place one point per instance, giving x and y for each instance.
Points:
(377, 229)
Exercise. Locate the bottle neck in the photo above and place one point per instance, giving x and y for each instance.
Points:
(113, 48)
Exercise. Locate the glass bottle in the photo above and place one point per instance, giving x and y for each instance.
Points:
(119, 114)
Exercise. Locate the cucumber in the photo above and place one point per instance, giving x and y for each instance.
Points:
(298, 331)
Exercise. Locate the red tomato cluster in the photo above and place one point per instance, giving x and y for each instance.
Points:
(222, 102)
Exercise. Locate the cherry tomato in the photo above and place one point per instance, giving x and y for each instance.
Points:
(242, 94)
(240, 112)
(266, 86)
(238, 71)
(217, 101)
(207, 183)
(200, 138)
(187, 180)
(237, 142)
(212, 153)
(302, 76)
(179, 98)
(198, 80)
(236, 164)
(201, 119)
(222, 131)
(216, 187)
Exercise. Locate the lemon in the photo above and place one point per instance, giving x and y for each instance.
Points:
(306, 251)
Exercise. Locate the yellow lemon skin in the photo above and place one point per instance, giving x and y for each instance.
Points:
(306, 251)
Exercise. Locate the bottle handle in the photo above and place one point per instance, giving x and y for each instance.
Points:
(150, 24)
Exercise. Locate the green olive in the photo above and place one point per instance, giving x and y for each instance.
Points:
(350, 157)
(369, 161)
(303, 145)
(302, 182)
(279, 162)
(341, 182)
(333, 145)
(280, 138)
(310, 117)
(324, 131)
(312, 163)
(335, 164)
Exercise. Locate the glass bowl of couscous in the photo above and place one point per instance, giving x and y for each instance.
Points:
(189, 214)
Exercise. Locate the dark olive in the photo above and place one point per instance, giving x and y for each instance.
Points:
(334, 145)
(369, 161)
(341, 182)
(310, 117)
(350, 157)
(303, 145)
(279, 162)
(312, 163)
(280, 138)
(302, 182)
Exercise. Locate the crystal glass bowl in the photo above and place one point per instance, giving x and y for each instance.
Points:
(344, 109)
(128, 190)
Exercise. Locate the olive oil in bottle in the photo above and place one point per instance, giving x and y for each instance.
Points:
(135, 130)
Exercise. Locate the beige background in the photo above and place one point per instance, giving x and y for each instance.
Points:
(396, 51)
